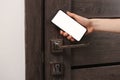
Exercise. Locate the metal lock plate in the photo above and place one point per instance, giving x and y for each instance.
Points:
(57, 69)
(54, 47)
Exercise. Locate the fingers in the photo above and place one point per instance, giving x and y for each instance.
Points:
(63, 33)
(70, 38)
(67, 35)
(73, 15)
(82, 20)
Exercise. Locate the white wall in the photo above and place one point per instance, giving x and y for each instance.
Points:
(12, 39)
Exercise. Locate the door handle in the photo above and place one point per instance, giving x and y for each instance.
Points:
(57, 45)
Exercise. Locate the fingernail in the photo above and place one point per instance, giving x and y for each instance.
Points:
(72, 40)
(61, 32)
(65, 34)
(68, 12)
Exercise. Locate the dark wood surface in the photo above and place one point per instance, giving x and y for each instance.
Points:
(89, 63)
(96, 8)
(104, 46)
(52, 32)
(98, 73)
(34, 56)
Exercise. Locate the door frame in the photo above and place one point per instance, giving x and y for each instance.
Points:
(33, 39)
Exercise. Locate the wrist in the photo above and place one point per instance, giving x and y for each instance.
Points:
(90, 27)
(94, 24)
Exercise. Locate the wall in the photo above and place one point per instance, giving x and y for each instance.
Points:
(12, 39)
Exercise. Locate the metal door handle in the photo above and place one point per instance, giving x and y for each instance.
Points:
(57, 45)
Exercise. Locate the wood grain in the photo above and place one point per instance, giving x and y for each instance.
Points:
(34, 55)
(52, 32)
(96, 8)
(103, 48)
(99, 73)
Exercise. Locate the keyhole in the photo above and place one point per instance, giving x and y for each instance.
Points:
(58, 68)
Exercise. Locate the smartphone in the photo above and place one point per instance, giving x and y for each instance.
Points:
(69, 25)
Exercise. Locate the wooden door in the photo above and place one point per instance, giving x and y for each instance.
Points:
(100, 60)
(34, 39)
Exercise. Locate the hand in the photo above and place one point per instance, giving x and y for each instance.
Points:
(82, 20)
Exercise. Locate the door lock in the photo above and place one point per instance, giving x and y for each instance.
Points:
(57, 69)
(57, 45)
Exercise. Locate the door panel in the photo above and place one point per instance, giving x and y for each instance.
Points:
(100, 73)
(96, 8)
(104, 46)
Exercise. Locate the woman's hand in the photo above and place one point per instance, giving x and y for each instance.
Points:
(82, 20)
